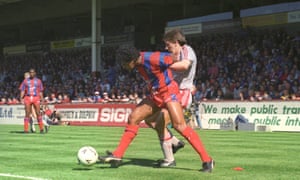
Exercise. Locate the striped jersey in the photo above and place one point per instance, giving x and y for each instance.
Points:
(155, 69)
(32, 87)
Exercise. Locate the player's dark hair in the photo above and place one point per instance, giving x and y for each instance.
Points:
(125, 54)
(175, 35)
(31, 70)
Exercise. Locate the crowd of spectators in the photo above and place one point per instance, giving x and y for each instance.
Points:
(249, 65)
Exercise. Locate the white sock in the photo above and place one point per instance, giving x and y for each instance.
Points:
(175, 141)
(166, 146)
(45, 119)
(32, 126)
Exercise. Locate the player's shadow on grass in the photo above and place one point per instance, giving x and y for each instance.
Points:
(82, 169)
(18, 132)
(130, 161)
(141, 162)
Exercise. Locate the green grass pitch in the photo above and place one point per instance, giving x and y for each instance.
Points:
(270, 155)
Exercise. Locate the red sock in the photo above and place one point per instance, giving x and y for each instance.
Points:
(127, 138)
(193, 138)
(26, 124)
(40, 121)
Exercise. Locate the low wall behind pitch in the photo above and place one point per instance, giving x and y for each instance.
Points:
(85, 114)
(276, 115)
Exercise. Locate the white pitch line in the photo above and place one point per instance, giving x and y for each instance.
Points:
(21, 177)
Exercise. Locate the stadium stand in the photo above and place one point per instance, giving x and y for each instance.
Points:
(250, 65)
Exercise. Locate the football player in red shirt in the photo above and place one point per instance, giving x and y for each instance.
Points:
(31, 95)
(156, 70)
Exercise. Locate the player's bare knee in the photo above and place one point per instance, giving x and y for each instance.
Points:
(134, 119)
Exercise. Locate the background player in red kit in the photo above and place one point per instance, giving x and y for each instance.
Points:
(33, 116)
(31, 95)
(155, 68)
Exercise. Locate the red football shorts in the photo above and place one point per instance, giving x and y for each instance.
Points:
(168, 94)
(28, 100)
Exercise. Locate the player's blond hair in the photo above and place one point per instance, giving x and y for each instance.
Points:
(26, 75)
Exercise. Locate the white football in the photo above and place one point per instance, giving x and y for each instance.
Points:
(87, 155)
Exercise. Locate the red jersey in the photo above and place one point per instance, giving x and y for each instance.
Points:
(32, 87)
(154, 69)
(48, 112)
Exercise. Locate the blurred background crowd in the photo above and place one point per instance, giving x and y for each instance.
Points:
(251, 65)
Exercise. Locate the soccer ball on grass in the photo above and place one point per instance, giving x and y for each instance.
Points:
(87, 155)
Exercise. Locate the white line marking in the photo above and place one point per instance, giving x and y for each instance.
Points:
(21, 177)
